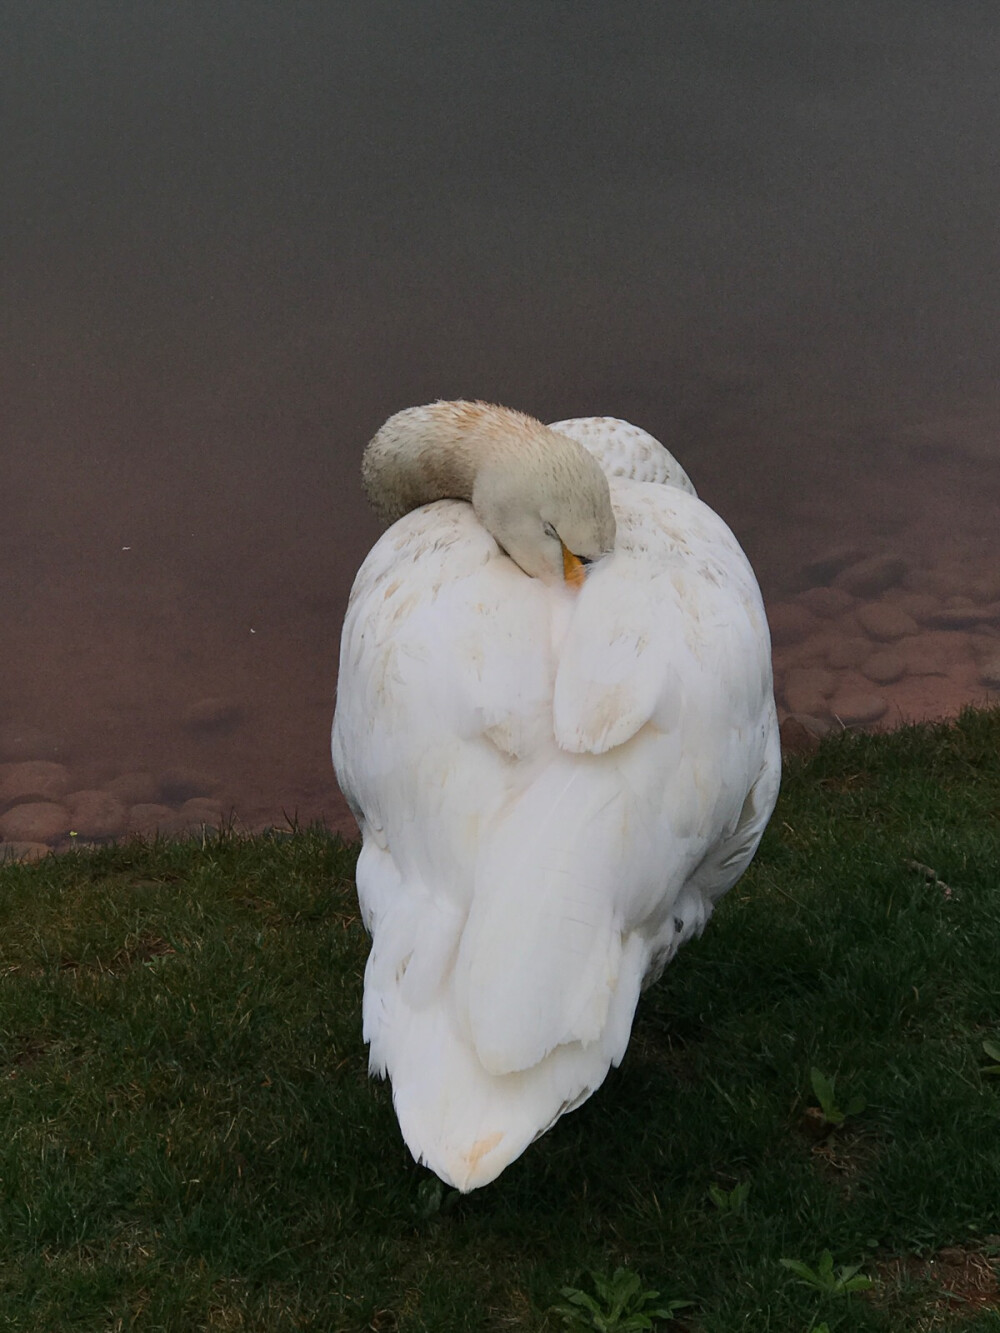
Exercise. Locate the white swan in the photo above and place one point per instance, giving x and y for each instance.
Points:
(555, 724)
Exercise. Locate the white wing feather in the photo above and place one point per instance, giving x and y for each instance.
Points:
(553, 790)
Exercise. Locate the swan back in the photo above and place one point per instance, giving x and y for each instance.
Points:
(624, 450)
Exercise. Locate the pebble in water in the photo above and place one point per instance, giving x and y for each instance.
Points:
(97, 814)
(920, 605)
(807, 688)
(934, 653)
(17, 850)
(197, 814)
(850, 651)
(869, 577)
(826, 567)
(150, 817)
(35, 821)
(857, 706)
(885, 622)
(964, 617)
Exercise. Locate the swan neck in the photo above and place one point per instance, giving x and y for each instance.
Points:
(432, 453)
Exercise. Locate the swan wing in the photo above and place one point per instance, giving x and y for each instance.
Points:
(444, 682)
(643, 814)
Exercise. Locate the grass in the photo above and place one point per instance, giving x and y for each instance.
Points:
(188, 1139)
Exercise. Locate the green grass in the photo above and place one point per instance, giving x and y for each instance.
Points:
(188, 1138)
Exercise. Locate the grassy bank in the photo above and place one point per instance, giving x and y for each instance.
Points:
(188, 1138)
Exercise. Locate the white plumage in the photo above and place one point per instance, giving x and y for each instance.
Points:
(554, 785)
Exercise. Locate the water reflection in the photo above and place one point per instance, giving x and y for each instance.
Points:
(236, 240)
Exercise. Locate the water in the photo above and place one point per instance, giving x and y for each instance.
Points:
(237, 237)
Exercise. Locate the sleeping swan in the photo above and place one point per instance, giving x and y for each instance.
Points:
(555, 725)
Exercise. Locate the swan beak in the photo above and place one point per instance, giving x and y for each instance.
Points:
(574, 570)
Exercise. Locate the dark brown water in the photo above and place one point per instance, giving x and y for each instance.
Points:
(236, 237)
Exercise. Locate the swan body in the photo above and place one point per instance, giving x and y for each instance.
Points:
(556, 777)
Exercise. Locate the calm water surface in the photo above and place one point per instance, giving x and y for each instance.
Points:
(236, 237)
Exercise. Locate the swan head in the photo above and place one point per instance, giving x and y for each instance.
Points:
(550, 511)
(541, 495)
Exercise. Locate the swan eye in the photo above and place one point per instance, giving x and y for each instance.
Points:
(550, 531)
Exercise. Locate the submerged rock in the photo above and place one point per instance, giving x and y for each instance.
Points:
(857, 707)
(150, 817)
(919, 605)
(23, 851)
(869, 577)
(935, 652)
(850, 651)
(198, 813)
(35, 821)
(806, 689)
(964, 617)
(883, 621)
(823, 568)
(97, 814)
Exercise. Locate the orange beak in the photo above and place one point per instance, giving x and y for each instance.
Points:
(573, 568)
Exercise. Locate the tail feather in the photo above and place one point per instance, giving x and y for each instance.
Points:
(465, 1123)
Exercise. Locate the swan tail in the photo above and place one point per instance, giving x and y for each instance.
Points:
(494, 1019)
(456, 1117)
